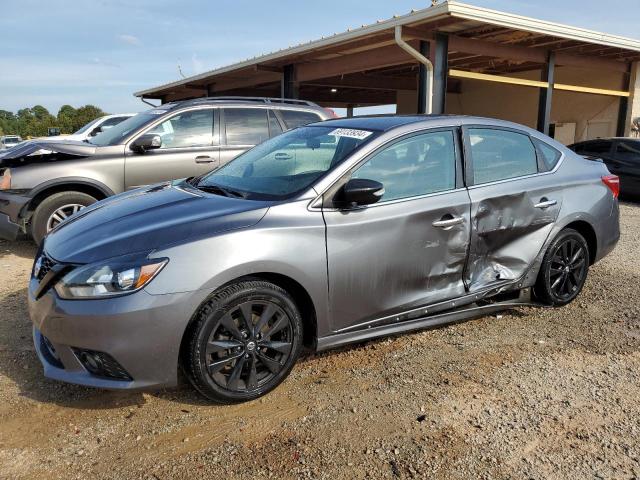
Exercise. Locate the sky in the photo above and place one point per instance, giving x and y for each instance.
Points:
(100, 52)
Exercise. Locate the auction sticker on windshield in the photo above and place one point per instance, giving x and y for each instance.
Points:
(351, 133)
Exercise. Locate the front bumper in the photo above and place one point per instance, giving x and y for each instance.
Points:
(11, 206)
(142, 332)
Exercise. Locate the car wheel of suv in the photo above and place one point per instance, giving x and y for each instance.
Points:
(55, 209)
(564, 269)
(243, 343)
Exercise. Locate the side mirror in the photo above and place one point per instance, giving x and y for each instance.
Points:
(361, 191)
(95, 131)
(149, 141)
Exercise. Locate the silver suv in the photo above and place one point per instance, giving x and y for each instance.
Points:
(42, 182)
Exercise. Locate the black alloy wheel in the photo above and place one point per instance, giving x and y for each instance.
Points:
(244, 342)
(564, 269)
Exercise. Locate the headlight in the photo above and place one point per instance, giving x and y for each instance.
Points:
(108, 279)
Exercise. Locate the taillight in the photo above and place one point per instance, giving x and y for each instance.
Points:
(331, 113)
(613, 182)
(5, 179)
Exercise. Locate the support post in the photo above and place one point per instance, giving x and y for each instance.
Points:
(546, 94)
(288, 85)
(440, 73)
(210, 90)
(633, 105)
(425, 50)
(349, 111)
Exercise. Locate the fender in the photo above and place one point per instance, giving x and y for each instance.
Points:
(58, 182)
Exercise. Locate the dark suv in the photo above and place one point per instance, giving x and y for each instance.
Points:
(43, 182)
(622, 157)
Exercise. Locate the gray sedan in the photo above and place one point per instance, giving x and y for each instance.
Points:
(329, 234)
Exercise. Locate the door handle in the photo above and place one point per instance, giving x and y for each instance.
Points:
(448, 222)
(204, 159)
(544, 203)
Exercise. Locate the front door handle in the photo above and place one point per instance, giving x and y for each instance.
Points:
(448, 221)
(204, 159)
(545, 203)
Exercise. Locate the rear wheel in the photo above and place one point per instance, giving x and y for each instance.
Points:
(243, 343)
(55, 209)
(564, 269)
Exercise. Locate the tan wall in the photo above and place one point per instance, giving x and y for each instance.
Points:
(594, 115)
(634, 100)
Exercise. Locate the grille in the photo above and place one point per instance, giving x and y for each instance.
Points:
(101, 364)
(46, 264)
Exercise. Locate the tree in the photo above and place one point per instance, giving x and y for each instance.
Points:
(35, 121)
(85, 114)
(66, 119)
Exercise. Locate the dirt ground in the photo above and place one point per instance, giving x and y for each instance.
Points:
(532, 393)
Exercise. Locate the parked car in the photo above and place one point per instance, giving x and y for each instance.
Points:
(331, 233)
(8, 141)
(96, 127)
(622, 157)
(43, 182)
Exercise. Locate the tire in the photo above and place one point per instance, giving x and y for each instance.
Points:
(564, 269)
(230, 361)
(43, 215)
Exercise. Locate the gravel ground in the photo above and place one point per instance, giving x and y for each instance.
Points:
(532, 393)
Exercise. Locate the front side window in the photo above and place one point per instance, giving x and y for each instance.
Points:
(246, 126)
(193, 128)
(500, 155)
(628, 151)
(296, 118)
(287, 164)
(419, 165)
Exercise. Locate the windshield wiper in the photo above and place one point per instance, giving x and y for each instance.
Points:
(220, 191)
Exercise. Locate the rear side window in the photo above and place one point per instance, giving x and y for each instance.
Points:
(629, 151)
(500, 155)
(246, 126)
(550, 155)
(295, 118)
(418, 165)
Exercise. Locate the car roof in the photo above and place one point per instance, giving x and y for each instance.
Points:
(252, 101)
(390, 121)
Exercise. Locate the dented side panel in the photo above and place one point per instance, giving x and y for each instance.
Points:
(389, 257)
(510, 227)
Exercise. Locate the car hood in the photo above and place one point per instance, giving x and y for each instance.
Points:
(146, 219)
(35, 151)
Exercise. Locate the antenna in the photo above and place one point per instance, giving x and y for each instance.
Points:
(180, 70)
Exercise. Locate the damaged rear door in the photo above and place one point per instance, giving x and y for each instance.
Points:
(513, 206)
(409, 249)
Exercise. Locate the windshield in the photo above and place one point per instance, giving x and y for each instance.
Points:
(12, 140)
(116, 134)
(286, 164)
(87, 126)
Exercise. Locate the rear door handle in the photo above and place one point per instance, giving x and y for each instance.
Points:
(448, 222)
(544, 203)
(204, 159)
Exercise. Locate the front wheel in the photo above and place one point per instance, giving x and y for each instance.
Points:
(55, 209)
(564, 269)
(243, 343)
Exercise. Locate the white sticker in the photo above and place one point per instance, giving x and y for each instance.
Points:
(157, 111)
(351, 133)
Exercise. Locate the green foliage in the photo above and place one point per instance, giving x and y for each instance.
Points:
(34, 122)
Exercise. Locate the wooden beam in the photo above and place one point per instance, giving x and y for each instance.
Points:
(535, 83)
(526, 54)
(368, 82)
(267, 68)
(356, 62)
